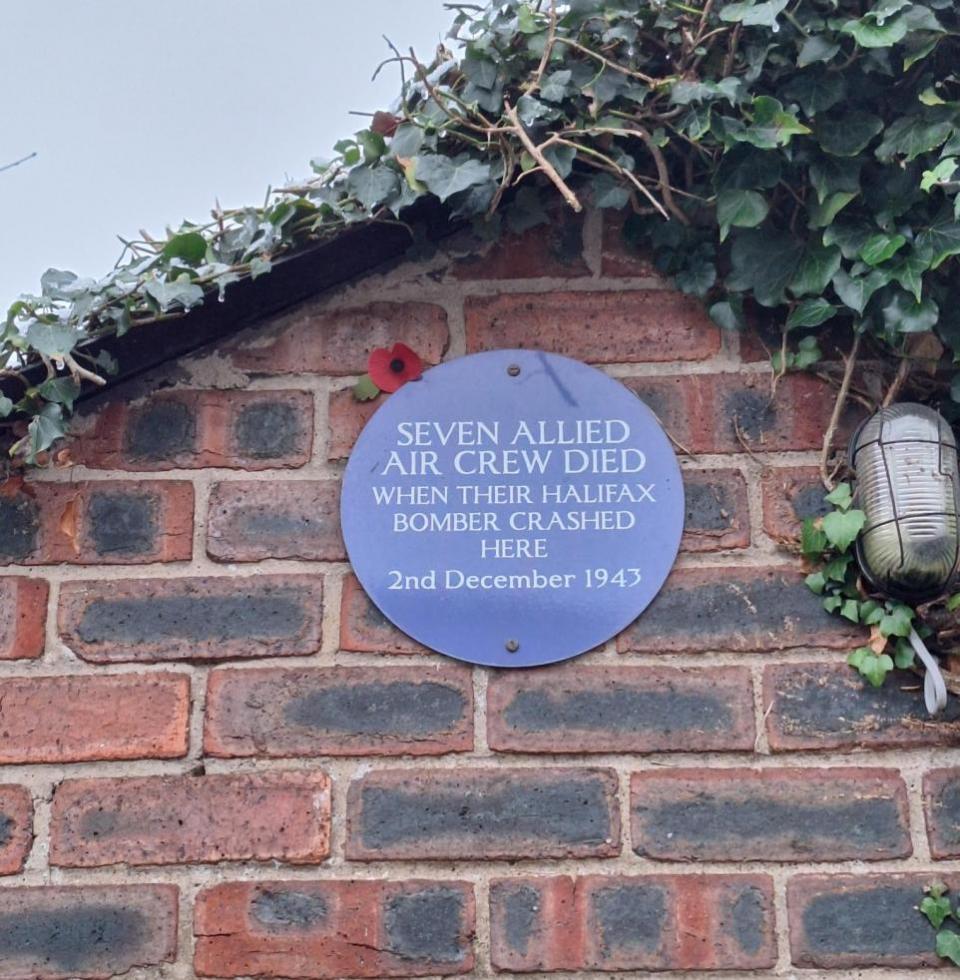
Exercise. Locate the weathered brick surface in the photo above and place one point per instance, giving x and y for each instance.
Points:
(364, 629)
(735, 609)
(253, 430)
(317, 340)
(647, 922)
(347, 417)
(328, 929)
(274, 816)
(16, 828)
(192, 618)
(23, 617)
(551, 249)
(249, 521)
(839, 921)
(941, 797)
(604, 328)
(798, 815)
(116, 522)
(830, 706)
(619, 257)
(790, 495)
(483, 813)
(733, 412)
(339, 711)
(620, 709)
(63, 933)
(83, 718)
(717, 513)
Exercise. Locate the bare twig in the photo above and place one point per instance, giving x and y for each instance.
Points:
(545, 165)
(649, 79)
(850, 363)
(16, 163)
(77, 371)
(899, 380)
(534, 82)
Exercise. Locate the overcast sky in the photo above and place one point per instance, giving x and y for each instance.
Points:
(142, 114)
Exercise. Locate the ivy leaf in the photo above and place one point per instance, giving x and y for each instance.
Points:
(909, 273)
(6, 406)
(817, 267)
(938, 242)
(903, 654)
(753, 14)
(878, 248)
(834, 174)
(44, 430)
(553, 88)
(807, 354)
(851, 610)
(741, 209)
(373, 145)
(373, 185)
(772, 125)
(764, 261)
(190, 248)
(940, 174)
(816, 583)
(948, 946)
(729, 316)
(871, 34)
(816, 48)
(856, 293)
(903, 314)
(481, 71)
(847, 135)
(63, 391)
(813, 542)
(811, 313)
(871, 666)
(365, 389)
(910, 136)
(842, 527)
(897, 621)
(179, 292)
(825, 212)
(841, 496)
(52, 339)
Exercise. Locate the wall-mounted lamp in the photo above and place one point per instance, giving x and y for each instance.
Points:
(905, 461)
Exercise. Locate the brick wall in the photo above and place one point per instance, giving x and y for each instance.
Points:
(220, 760)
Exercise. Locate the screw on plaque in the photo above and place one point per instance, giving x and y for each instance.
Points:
(513, 370)
(512, 646)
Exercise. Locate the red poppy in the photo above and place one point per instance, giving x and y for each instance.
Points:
(384, 123)
(392, 368)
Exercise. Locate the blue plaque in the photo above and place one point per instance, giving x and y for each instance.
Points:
(512, 508)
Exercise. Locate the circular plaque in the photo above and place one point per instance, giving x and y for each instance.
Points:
(512, 508)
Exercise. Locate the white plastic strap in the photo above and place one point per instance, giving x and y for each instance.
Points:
(934, 688)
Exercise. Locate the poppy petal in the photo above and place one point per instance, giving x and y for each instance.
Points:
(378, 367)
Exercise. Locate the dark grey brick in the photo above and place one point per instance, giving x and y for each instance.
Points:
(6, 829)
(426, 925)
(630, 917)
(747, 920)
(521, 912)
(709, 507)
(400, 708)
(753, 411)
(267, 430)
(162, 429)
(288, 909)
(810, 502)
(123, 523)
(19, 526)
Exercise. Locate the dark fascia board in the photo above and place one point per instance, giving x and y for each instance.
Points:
(294, 278)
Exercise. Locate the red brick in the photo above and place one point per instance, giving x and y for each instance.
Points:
(734, 413)
(329, 929)
(271, 816)
(315, 340)
(16, 828)
(762, 336)
(191, 429)
(23, 618)
(480, 814)
(620, 709)
(120, 522)
(717, 512)
(941, 800)
(603, 328)
(619, 257)
(736, 608)
(339, 711)
(364, 629)
(554, 248)
(252, 520)
(91, 931)
(347, 417)
(812, 706)
(83, 718)
(636, 922)
(791, 494)
(220, 618)
(843, 921)
(798, 815)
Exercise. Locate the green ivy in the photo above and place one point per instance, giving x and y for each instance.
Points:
(941, 914)
(800, 156)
